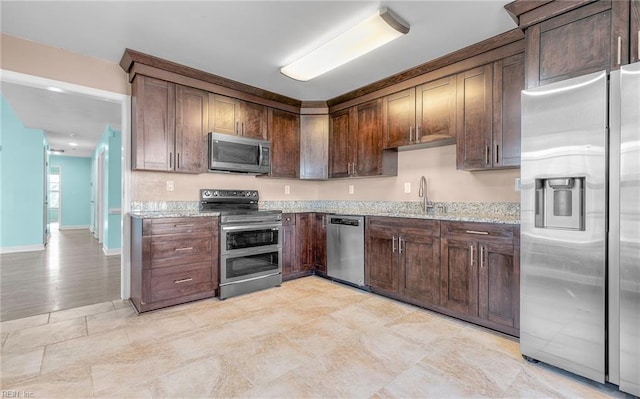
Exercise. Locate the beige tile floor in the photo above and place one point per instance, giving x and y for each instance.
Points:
(308, 338)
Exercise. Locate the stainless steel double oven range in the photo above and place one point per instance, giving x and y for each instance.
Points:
(250, 241)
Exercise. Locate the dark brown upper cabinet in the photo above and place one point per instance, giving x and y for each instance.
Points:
(436, 110)
(355, 143)
(233, 116)
(169, 126)
(567, 39)
(488, 115)
(399, 118)
(285, 143)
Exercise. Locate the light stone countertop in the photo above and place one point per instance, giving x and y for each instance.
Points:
(504, 212)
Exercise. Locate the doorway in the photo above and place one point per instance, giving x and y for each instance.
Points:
(123, 102)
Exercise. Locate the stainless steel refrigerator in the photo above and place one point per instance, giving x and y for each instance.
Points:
(580, 226)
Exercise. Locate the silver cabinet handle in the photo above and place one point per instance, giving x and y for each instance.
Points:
(393, 244)
(486, 155)
(184, 280)
(184, 249)
(177, 160)
(638, 46)
(417, 134)
(482, 260)
(410, 134)
(182, 225)
(170, 158)
(619, 49)
(400, 241)
(238, 127)
(471, 248)
(484, 233)
(497, 154)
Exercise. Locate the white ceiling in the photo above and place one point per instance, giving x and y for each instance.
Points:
(248, 41)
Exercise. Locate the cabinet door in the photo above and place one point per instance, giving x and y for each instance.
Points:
(399, 118)
(420, 267)
(285, 143)
(474, 118)
(305, 240)
(436, 109)
(253, 122)
(367, 139)
(153, 125)
(339, 150)
(320, 242)
(508, 82)
(499, 291)
(314, 146)
(382, 258)
(289, 264)
(459, 276)
(191, 129)
(223, 114)
(578, 42)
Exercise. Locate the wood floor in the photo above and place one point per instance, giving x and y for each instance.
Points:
(71, 272)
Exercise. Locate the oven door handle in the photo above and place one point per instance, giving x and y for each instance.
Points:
(239, 253)
(251, 278)
(257, 226)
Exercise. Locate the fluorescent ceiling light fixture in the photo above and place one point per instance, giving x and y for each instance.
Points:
(72, 144)
(375, 31)
(57, 90)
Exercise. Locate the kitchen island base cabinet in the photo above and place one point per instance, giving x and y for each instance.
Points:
(173, 260)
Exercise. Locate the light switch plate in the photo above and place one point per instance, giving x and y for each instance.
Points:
(351, 191)
(516, 184)
(169, 185)
(287, 189)
(407, 187)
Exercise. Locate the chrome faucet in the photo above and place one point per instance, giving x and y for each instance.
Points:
(422, 193)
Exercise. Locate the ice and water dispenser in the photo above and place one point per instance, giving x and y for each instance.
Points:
(560, 203)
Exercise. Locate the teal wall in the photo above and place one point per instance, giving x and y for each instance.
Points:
(22, 166)
(111, 144)
(75, 185)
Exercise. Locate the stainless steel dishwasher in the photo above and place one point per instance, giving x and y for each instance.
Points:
(345, 248)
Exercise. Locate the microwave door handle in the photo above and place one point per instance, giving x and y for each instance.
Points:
(259, 155)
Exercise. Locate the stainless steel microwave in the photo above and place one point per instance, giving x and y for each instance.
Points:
(228, 153)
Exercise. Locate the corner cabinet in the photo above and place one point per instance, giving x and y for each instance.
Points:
(481, 274)
(355, 143)
(403, 259)
(169, 126)
(285, 143)
(173, 260)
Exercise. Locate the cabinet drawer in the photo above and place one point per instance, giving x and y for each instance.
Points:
(180, 226)
(503, 233)
(180, 251)
(176, 281)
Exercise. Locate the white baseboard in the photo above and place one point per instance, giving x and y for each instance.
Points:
(23, 248)
(111, 252)
(74, 227)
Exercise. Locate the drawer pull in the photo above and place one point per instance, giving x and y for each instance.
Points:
(182, 225)
(483, 233)
(184, 249)
(184, 280)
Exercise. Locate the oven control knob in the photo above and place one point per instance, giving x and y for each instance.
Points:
(247, 194)
(215, 193)
(206, 194)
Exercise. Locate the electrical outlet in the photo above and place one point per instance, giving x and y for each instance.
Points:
(407, 187)
(351, 191)
(169, 185)
(287, 189)
(516, 184)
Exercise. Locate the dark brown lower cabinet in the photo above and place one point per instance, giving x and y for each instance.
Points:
(320, 243)
(481, 274)
(289, 266)
(173, 260)
(403, 258)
